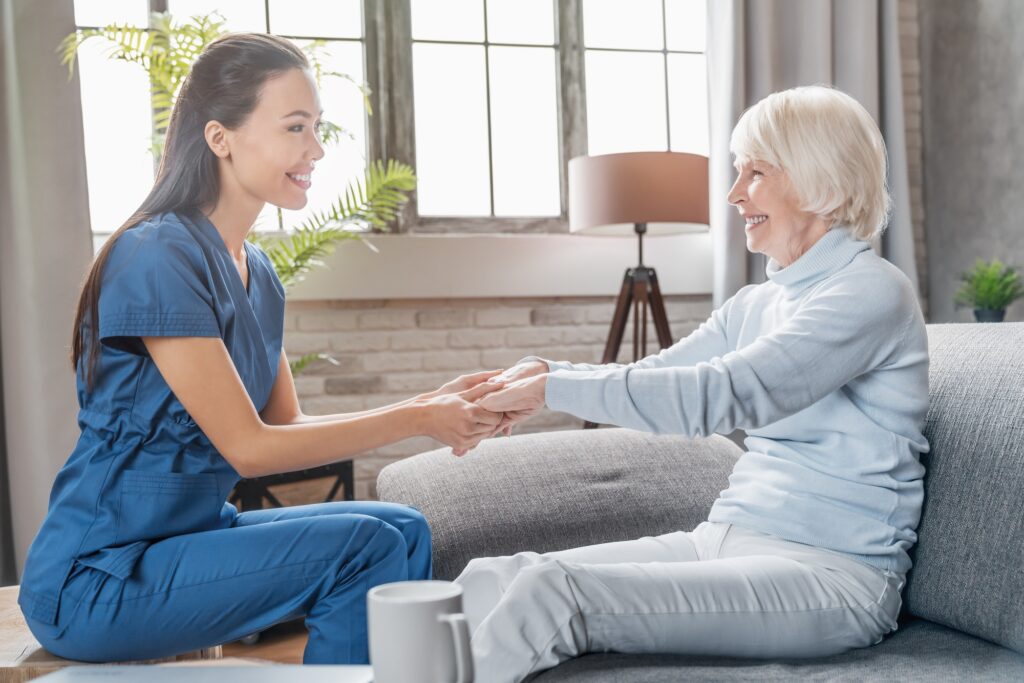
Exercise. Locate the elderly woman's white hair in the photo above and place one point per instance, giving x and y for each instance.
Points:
(830, 148)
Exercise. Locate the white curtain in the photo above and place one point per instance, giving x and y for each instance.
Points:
(757, 47)
(45, 248)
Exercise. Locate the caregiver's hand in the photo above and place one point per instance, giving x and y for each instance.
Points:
(456, 420)
(464, 383)
(517, 401)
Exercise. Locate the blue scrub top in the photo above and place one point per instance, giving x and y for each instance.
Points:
(142, 469)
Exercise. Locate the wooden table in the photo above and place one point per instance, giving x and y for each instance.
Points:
(22, 658)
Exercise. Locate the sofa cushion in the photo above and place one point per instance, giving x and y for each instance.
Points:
(968, 571)
(559, 490)
(919, 651)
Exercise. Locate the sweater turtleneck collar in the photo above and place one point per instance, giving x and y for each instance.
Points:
(832, 251)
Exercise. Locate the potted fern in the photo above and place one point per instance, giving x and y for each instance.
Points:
(989, 288)
(166, 50)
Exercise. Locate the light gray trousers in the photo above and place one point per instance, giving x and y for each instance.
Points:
(717, 590)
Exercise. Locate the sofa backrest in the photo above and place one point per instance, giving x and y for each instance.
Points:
(969, 559)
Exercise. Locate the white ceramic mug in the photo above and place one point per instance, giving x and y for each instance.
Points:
(418, 633)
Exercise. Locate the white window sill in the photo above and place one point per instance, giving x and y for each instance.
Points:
(504, 266)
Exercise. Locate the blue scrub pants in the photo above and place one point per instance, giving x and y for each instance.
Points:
(198, 590)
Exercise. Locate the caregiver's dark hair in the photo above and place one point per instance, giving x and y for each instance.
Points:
(224, 85)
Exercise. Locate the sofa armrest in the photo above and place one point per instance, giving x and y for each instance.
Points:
(557, 490)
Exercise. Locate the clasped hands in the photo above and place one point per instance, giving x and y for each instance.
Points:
(471, 408)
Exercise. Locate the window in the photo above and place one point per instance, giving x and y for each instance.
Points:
(646, 76)
(487, 99)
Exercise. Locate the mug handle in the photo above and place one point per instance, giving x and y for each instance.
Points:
(463, 655)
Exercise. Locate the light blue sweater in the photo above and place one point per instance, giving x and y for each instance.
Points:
(825, 366)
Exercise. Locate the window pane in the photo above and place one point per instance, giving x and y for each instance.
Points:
(685, 24)
(451, 130)
(448, 20)
(524, 129)
(118, 162)
(521, 21)
(625, 102)
(688, 103)
(104, 12)
(345, 160)
(636, 24)
(240, 15)
(316, 18)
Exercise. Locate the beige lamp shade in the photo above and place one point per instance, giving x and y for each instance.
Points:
(609, 193)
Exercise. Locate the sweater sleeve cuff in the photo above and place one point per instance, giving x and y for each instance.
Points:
(560, 392)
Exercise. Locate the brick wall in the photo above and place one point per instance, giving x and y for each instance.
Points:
(387, 351)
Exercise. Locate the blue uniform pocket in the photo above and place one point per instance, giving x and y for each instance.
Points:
(156, 505)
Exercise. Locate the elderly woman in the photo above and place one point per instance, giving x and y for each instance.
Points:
(825, 366)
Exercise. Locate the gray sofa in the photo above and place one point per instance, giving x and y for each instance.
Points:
(963, 606)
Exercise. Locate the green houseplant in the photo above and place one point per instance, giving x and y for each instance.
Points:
(989, 288)
(166, 50)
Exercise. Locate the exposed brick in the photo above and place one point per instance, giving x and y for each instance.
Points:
(354, 384)
(410, 340)
(600, 313)
(534, 336)
(415, 382)
(445, 318)
(587, 334)
(300, 343)
(476, 339)
(387, 319)
(327, 321)
(360, 341)
(391, 361)
(309, 386)
(502, 317)
(559, 315)
(290, 321)
(464, 360)
(341, 365)
(503, 358)
(688, 310)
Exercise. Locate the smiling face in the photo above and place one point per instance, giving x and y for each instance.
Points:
(775, 224)
(272, 153)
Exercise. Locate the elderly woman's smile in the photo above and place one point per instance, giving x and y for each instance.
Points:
(774, 223)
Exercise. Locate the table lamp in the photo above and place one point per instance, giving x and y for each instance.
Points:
(642, 193)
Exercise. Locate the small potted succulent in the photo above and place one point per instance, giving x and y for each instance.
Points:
(989, 288)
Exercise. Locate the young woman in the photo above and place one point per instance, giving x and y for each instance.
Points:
(184, 387)
(825, 366)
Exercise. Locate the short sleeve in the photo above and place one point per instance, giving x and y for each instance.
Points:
(155, 284)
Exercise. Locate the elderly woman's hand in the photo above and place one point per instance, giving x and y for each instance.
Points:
(518, 401)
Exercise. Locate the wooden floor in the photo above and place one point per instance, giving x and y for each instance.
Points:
(283, 644)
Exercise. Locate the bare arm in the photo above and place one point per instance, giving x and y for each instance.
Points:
(202, 376)
(283, 406)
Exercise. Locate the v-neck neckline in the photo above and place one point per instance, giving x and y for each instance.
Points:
(247, 285)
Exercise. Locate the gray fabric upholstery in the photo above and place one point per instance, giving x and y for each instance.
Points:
(968, 571)
(559, 490)
(919, 651)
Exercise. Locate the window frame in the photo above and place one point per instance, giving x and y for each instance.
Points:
(387, 58)
(388, 31)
